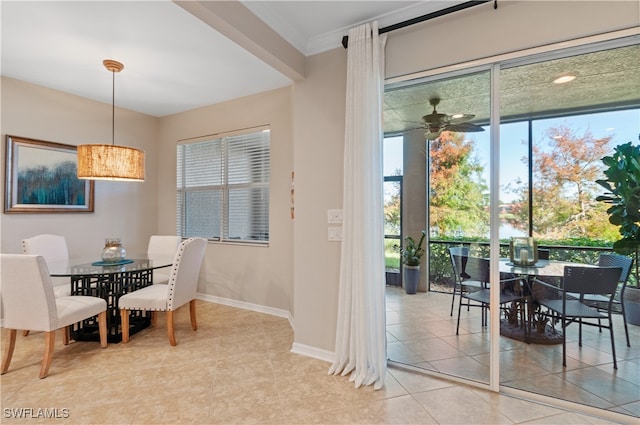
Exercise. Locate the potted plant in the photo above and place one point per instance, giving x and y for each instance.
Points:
(623, 194)
(410, 255)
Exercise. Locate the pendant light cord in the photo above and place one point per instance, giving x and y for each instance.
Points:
(113, 108)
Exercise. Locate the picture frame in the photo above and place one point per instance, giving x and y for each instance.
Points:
(41, 177)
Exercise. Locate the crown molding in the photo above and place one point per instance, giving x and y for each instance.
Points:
(333, 39)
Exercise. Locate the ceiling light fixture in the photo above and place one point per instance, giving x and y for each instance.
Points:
(111, 162)
(564, 79)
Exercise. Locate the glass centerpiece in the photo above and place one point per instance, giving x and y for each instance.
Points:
(113, 251)
(523, 251)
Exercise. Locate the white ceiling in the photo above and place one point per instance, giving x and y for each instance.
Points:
(173, 61)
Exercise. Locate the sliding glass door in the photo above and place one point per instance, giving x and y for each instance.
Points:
(554, 117)
(446, 193)
(560, 115)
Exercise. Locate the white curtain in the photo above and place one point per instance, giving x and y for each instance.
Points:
(360, 336)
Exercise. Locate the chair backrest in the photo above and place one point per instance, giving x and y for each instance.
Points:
(28, 300)
(183, 281)
(474, 268)
(591, 280)
(458, 255)
(163, 246)
(51, 247)
(616, 260)
(543, 254)
(477, 269)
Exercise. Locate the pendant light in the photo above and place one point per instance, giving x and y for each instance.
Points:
(111, 162)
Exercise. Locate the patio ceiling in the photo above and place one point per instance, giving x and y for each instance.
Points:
(605, 80)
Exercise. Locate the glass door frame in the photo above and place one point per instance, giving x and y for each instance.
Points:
(494, 64)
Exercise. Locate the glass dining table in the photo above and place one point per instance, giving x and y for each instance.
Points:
(534, 327)
(108, 281)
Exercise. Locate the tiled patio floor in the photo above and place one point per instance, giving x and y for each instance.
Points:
(421, 333)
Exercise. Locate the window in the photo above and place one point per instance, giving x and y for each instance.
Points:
(223, 187)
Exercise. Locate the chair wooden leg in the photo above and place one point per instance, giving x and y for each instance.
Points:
(25, 333)
(124, 324)
(102, 328)
(11, 344)
(192, 314)
(49, 344)
(66, 335)
(154, 318)
(170, 328)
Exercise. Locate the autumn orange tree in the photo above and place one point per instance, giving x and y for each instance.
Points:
(392, 209)
(565, 167)
(458, 198)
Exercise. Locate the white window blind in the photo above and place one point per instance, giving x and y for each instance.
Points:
(223, 187)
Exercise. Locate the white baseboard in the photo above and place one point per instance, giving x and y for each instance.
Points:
(302, 349)
(313, 352)
(247, 306)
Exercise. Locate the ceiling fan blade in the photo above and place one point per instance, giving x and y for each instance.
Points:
(460, 118)
(464, 127)
(413, 128)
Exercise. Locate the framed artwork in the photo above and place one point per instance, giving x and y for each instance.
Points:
(41, 177)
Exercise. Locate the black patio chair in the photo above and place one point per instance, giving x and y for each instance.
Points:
(476, 270)
(462, 281)
(613, 260)
(582, 281)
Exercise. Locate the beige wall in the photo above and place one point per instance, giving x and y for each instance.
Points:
(481, 31)
(125, 210)
(244, 273)
(319, 108)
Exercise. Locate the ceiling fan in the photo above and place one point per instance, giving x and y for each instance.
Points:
(436, 123)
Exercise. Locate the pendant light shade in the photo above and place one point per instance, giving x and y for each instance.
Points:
(111, 162)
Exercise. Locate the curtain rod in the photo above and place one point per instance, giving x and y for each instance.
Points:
(436, 14)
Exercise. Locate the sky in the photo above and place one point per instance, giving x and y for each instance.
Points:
(624, 126)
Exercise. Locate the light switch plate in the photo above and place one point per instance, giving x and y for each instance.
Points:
(334, 216)
(335, 233)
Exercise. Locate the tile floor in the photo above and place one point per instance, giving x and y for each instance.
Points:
(421, 333)
(236, 369)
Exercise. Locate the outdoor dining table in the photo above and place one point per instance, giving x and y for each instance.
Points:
(108, 281)
(533, 329)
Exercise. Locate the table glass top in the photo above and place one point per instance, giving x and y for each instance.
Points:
(550, 268)
(84, 266)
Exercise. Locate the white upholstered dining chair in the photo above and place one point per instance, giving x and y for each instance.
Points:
(29, 303)
(181, 289)
(162, 247)
(51, 248)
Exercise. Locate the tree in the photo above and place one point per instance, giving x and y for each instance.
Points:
(458, 195)
(392, 208)
(564, 172)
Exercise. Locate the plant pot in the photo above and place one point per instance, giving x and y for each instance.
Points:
(411, 279)
(632, 305)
